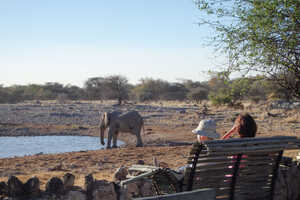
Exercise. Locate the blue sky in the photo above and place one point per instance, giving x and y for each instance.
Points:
(69, 41)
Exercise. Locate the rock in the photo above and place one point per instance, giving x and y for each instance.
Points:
(3, 188)
(89, 179)
(32, 186)
(68, 180)
(103, 190)
(74, 195)
(88, 186)
(132, 189)
(15, 187)
(121, 173)
(146, 188)
(55, 186)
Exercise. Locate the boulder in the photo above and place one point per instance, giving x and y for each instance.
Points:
(146, 189)
(88, 186)
(131, 190)
(15, 187)
(32, 186)
(55, 186)
(68, 180)
(103, 190)
(99, 189)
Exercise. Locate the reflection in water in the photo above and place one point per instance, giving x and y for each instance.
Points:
(30, 145)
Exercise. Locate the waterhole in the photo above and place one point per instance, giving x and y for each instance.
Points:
(31, 145)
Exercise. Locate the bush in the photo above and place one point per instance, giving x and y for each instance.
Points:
(198, 95)
(221, 99)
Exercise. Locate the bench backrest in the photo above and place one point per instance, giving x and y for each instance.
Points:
(237, 168)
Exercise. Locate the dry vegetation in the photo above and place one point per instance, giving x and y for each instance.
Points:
(163, 126)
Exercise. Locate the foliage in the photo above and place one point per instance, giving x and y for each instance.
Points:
(221, 98)
(111, 87)
(219, 89)
(117, 87)
(150, 89)
(198, 94)
(156, 89)
(259, 35)
(94, 88)
(174, 91)
(239, 88)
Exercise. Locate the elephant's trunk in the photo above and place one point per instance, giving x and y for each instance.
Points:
(102, 129)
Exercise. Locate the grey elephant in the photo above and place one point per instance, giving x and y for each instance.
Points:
(131, 122)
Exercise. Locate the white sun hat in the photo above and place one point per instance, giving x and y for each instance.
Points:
(207, 127)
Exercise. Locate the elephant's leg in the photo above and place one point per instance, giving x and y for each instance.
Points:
(115, 138)
(139, 142)
(109, 137)
(102, 135)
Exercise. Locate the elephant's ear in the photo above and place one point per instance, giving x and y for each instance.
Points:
(106, 119)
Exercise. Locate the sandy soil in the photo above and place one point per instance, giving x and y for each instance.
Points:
(167, 135)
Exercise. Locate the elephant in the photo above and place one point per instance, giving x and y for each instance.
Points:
(131, 122)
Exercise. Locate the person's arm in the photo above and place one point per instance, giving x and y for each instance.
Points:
(230, 133)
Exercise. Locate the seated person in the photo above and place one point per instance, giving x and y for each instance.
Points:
(206, 130)
(244, 125)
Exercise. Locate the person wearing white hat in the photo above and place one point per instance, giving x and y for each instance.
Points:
(206, 130)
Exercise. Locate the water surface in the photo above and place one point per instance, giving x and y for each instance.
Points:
(30, 145)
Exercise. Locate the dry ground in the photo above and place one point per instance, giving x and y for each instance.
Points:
(170, 128)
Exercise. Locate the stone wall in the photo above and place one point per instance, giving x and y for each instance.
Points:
(64, 189)
(287, 188)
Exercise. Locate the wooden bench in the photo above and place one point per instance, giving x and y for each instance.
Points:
(236, 168)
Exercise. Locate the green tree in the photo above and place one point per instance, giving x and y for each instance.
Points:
(150, 89)
(240, 88)
(117, 87)
(94, 88)
(258, 35)
(111, 87)
(220, 90)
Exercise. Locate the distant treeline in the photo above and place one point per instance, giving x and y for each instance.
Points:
(219, 89)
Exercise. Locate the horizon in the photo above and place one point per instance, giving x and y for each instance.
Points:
(68, 42)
